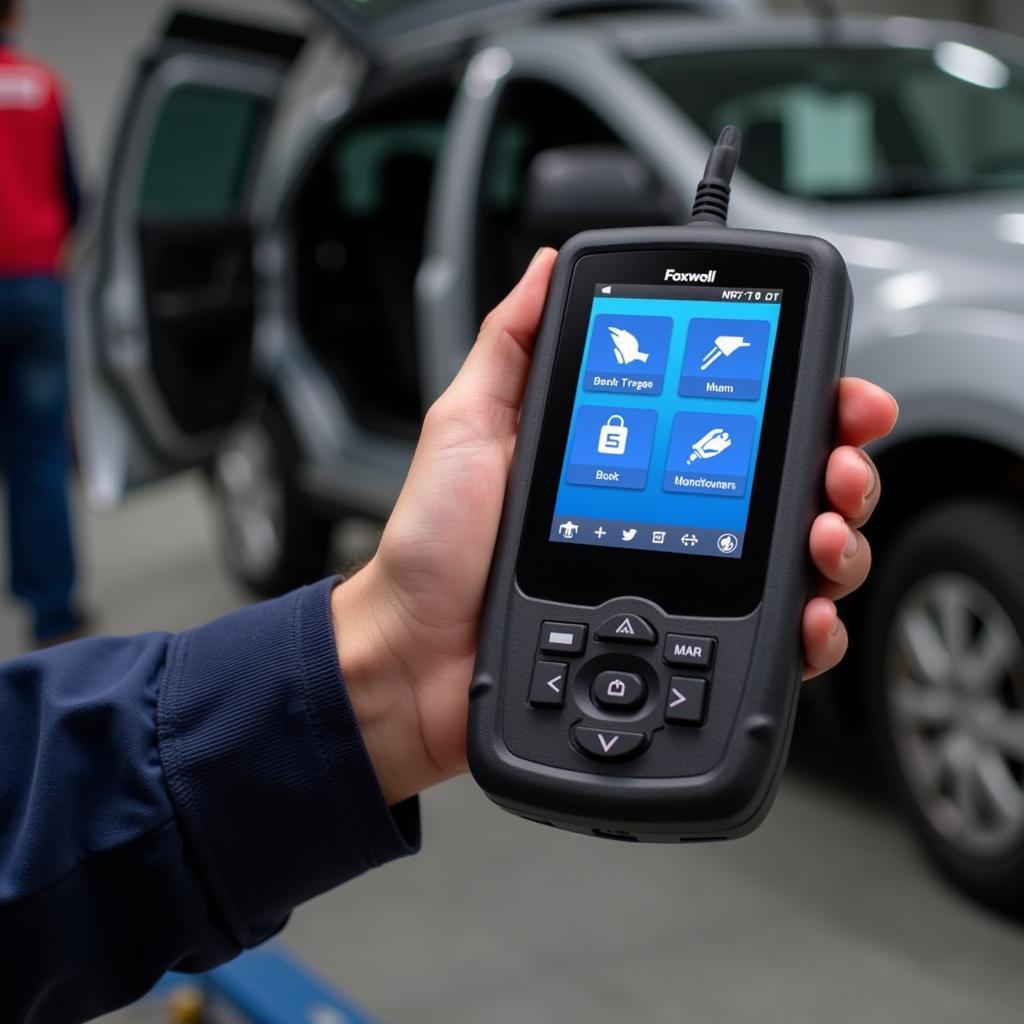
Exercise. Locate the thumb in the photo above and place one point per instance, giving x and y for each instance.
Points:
(497, 366)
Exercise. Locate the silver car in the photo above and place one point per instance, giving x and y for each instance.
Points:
(299, 238)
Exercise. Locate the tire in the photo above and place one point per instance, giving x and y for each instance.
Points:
(945, 671)
(272, 541)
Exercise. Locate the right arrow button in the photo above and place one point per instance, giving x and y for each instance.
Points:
(687, 697)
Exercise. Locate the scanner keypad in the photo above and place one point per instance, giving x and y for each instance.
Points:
(630, 688)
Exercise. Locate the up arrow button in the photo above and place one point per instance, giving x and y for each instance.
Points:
(627, 629)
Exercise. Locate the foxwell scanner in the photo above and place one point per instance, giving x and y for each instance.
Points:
(640, 657)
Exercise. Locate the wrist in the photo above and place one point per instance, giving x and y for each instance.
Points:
(380, 685)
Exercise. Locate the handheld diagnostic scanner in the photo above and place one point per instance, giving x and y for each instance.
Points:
(639, 657)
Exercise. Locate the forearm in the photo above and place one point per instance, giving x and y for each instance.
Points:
(166, 801)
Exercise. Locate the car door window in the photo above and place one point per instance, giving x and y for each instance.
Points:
(860, 123)
(199, 156)
(195, 248)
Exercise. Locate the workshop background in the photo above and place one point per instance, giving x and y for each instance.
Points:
(830, 911)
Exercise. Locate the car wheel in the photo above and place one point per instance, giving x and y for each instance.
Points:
(946, 664)
(273, 542)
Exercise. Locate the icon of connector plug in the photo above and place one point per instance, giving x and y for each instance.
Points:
(724, 345)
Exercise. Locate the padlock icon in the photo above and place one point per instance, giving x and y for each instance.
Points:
(613, 437)
(616, 688)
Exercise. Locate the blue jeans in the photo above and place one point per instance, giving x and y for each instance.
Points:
(34, 449)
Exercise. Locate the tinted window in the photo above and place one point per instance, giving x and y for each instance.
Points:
(860, 123)
(199, 157)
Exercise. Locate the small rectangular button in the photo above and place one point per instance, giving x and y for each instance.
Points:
(689, 651)
(548, 687)
(686, 701)
(563, 638)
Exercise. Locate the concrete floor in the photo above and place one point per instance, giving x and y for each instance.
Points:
(827, 913)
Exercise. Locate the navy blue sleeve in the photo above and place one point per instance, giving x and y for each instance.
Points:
(69, 176)
(166, 801)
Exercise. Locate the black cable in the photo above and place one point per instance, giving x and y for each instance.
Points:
(711, 203)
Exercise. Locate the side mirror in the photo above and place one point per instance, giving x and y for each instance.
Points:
(576, 188)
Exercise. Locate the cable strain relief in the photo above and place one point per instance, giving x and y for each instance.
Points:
(711, 203)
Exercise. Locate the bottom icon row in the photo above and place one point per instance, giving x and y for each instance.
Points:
(690, 540)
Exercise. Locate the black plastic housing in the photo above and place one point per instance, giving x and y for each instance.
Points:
(718, 781)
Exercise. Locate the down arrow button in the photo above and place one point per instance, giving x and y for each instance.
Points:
(608, 744)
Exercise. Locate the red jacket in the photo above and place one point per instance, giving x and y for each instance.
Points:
(38, 195)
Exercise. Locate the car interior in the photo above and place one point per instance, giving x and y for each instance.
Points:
(535, 121)
(359, 223)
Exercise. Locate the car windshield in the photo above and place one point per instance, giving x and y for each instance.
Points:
(869, 123)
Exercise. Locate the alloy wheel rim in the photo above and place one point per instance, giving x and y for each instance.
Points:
(252, 500)
(955, 692)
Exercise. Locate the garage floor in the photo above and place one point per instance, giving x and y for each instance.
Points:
(828, 913)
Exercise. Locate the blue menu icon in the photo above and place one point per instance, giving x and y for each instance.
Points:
(709, 453)
(611, 447)
(724, 358)
(627, 354)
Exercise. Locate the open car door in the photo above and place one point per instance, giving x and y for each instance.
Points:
(164, 305)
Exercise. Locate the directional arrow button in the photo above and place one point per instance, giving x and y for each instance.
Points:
(547, 690)
(686, 699)
(609, 744)
(627, 629)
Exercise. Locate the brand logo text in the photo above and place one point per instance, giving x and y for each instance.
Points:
(705, 277)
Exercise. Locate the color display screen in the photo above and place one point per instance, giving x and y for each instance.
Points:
(666, 424)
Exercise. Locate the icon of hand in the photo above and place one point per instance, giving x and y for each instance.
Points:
(626, 347)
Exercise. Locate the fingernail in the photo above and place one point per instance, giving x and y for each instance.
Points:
(872, 477)
(852, 543)
(835, 627)
(536, 256)
(896, 405)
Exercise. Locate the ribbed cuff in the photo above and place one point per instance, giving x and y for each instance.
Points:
(266, 765)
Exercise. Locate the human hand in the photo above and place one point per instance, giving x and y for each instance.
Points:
(407, 623)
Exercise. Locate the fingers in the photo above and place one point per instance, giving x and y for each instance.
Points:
(865, 411)
(839, 550)
(852, 485)
(841, 554)
(825, 638)
(496, 369)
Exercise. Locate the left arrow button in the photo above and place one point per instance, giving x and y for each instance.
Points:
(547, 690)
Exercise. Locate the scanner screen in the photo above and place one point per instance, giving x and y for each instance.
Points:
(663, 443)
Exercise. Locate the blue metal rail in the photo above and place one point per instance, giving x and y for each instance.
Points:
(263, 986)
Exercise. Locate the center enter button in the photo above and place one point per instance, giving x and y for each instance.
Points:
(619, 691)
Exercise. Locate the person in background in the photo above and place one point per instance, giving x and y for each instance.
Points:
(39, 205)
